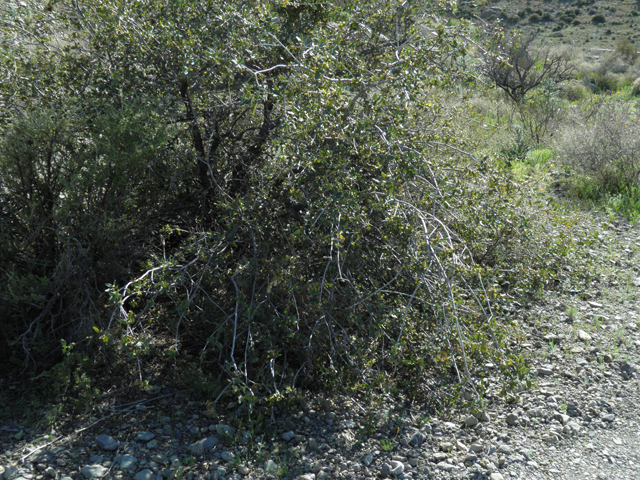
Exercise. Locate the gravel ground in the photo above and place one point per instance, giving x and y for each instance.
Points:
(580, 420)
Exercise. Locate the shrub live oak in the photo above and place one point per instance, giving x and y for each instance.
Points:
(271, 187)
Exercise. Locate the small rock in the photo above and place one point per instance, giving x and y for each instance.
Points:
(49, 471)
(243, 470)
(445, 467)
(417, 440)
(106, 442)
(550, 439)
(505, 449)
(94, 471)
(545, 371)
(145, 436)
(271, 467)
(584, 336)
(227, 456)
(512, 419)
(471, 421)
(609, 417)
(225, 430)
(322, 475)
(446, 446)
(127, 461)
(18, 436)
(288, 436)
(306, 476)
(476, 448)
(152, 444)
(440, 457)
(471, 458)
(312, 445)
(145, 474)
(483, 416)
(397, 468)
(367, 460)
(385, 470)
(496, 476)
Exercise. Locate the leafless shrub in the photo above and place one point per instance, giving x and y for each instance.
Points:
(605, 146)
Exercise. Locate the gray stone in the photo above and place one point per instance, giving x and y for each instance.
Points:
(496, 476)
(127, 462)
(505, 449)
(106, 442)
(417, 440)
(440, 457)
(94, 471)
(471, 421)
(476, 448)
(243, 470)
(288, 436)
(349, 424)
(483, 416)
(512, 419)
(322, 475)
(545, 371)
(225, 430)
(312, 445)
(367, 460)
(145, 436)
(145, 474)
(50, 472)
(471, 458)
(2, 471)
(609, 417)
(445, 467)
(551, 439)
(584, 336)
(228, 456)
(152, 444)
(446, 446)
(306, 476)
(397, 468)
(271, 467)
(203, 445)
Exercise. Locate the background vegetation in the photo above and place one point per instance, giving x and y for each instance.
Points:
(249, 198)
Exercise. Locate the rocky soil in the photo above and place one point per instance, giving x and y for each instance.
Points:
(579, 420)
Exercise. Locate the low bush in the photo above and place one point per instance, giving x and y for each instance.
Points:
(598, 19)
(604, 146)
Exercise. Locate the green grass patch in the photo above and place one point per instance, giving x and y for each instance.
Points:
(539, 156)
(625, 203)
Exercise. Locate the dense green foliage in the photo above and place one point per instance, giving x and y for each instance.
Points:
(274, 188)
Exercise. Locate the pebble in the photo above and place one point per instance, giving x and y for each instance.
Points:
(471, 421)
(584, 336)
(145, 474)
(288, 436)
(145, 436)
(106, 442)
(445, 467)
(94, 471)
(271, 467)
(512, 419)
(127, 461)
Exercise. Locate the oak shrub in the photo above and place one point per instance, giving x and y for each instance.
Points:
(270, 190)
